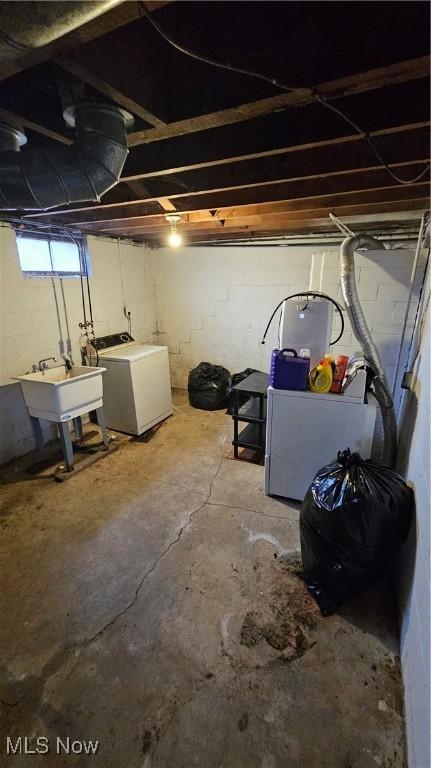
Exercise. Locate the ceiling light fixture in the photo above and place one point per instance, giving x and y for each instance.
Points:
(174, 237)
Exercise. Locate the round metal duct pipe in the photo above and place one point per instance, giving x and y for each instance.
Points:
(26, 26)
(11, 138)
(38, 179)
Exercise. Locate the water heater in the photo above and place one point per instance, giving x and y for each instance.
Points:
(306, 324)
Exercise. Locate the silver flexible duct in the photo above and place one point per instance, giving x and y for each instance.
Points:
(363, 335)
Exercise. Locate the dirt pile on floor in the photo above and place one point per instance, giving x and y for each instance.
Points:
(287, 614)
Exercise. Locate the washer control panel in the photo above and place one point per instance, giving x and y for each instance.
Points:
(114, 340)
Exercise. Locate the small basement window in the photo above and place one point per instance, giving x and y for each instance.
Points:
(49, 255)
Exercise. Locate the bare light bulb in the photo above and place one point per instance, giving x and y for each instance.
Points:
(174, 239)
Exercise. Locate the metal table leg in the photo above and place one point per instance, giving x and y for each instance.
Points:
(261, 439)
(101, 422)
(66, 444)
(236, 407)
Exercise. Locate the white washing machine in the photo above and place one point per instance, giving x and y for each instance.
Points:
(136, 385)
(305, 431)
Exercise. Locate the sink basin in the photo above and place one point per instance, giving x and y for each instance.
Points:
(56, 394)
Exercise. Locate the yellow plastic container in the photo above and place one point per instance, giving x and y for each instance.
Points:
(321, 377)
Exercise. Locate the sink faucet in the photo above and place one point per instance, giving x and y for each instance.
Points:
(43, 364)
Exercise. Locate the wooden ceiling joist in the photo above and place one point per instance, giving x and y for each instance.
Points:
(17, 121)
(281, 224)
(194, 219)
(300, 186)
(272, 166)
(334, 89)
(96, 82)
(297, 229)
(277, 152)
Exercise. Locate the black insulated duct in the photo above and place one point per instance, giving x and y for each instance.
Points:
(38, 179)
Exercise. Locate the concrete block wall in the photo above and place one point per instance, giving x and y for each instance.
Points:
(213, 303)
(415, 465)
(204, 303)
(30, 328)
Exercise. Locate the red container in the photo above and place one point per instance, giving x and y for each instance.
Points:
(288, 371)
(340, 369)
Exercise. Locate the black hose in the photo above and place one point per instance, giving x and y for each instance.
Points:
(316, 294)
(312, 92)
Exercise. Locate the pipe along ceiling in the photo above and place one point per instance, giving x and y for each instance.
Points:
(38, 179)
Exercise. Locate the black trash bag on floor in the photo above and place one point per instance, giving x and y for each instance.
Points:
(236, 379)
(209, 387)
(353, 519)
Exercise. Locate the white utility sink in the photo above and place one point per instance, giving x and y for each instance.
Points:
(56, 394)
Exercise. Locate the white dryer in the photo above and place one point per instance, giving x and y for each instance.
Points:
(136, 385)
(305, 431)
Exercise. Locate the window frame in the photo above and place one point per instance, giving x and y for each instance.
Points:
(49, 237)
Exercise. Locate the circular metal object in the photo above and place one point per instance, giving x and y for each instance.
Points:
(11, 138)
(70, 112)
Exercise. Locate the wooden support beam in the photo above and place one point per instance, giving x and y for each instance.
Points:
(166, 204)
(195, 219)
(295, 187)
(139, 189)
(277, 152)
(17, 121)
(84, 74)
(296, 222)
(154, 5)
(335, 89)
(400, 148)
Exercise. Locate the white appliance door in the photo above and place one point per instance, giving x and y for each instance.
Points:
(151, 384)
(306, 434)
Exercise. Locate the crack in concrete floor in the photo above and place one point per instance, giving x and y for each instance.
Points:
(97, 635)
(253, 706)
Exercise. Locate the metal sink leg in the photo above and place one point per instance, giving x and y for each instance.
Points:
(66, 444)
(102, 424)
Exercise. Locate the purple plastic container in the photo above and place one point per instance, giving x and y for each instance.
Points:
(288, 371)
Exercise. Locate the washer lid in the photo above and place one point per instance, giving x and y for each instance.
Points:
(129, 353)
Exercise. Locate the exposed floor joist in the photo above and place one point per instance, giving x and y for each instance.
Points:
(292, 210)
(84, 74)
(334, 89)
(237, 155)
(279, 151)
(197, 218)
(310, 221)
(10, 118)
(327, 161)
(215, 198)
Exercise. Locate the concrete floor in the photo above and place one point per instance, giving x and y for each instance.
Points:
(151, 603)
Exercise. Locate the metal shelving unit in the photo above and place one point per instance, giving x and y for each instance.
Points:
(249, 407)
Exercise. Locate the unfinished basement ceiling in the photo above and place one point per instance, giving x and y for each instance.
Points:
(235, 156)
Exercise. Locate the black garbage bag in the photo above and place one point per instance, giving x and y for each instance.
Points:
(209, 387)
(236, 379)
(353, 518)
